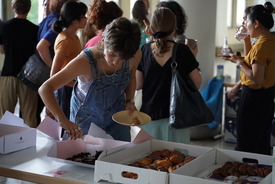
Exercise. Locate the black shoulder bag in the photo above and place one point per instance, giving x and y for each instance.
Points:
(187, 107)
(35, 72)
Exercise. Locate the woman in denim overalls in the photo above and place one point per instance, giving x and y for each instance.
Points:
(105, 82)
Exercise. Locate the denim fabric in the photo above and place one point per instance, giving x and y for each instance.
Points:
(63, 96)
(105, 97)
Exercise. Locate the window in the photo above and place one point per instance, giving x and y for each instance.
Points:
(116, 1)
(229, 13)
(241, 5)
(235, 12)
(33, 14)
(1, 10)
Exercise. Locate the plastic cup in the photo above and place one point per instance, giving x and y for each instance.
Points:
(241, 33)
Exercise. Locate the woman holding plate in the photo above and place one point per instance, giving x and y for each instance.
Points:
(106, 82)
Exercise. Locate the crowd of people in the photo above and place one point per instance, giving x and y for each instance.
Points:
(91, 81)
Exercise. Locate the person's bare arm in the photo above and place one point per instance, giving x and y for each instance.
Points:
(255, 73)
(130, 90)
(139, 80)
(195, 76)
(44, 51)
(78, 66)
(233, 91)
(58, 61)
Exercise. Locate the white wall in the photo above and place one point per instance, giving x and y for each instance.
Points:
(202, 27)
(221, 26)
(273, 2)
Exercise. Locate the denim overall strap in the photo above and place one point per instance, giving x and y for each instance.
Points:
(92, 60)
(105, 96)
(126, 65)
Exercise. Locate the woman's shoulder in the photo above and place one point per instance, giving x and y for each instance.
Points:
(136, 58)
(183, 48)
(91, 53)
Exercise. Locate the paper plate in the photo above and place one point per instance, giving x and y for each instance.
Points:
(135, 119)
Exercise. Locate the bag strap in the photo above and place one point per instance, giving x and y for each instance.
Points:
(174, 58)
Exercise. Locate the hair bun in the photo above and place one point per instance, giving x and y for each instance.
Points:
(269, 7)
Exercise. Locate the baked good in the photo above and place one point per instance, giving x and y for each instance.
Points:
(239, 169)
(163, 160)
(136, 121)
(85, 157)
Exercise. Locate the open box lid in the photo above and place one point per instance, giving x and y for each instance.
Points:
(10, 119)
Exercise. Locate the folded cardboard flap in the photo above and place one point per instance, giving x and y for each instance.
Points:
(10, 119)
(50, 127)
(10, 129)
(62, 150)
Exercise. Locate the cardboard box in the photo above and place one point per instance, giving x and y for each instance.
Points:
(14, 134)
(65, 149)
(15, 138)
(111, 167)
(197, 171)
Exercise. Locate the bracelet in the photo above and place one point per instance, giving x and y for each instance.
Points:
(239, 62)
(130, 100)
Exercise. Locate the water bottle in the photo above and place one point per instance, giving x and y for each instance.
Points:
(225, 49)
(219, 71)
(238, 70)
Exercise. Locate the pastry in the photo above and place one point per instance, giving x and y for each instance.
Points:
(163, 160)
(85, 157)
(136, 121)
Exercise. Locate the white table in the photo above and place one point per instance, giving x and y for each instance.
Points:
(33, 165)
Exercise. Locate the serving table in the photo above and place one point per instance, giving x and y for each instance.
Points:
(33, 165)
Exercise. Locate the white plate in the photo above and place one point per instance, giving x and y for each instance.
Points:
(124, 118)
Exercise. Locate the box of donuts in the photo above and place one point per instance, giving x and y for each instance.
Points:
(84, 152)
(148, 162)
(222, 166)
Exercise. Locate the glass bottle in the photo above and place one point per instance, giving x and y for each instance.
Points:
(225, 49)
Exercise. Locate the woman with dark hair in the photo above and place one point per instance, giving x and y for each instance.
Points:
(139, 13)
(46, 37)
(181, 25)
(256, 108)
(100, 14)
(67, 45)
(106, 82)
(154, 75)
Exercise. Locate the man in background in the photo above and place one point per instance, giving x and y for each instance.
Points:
(18, 39)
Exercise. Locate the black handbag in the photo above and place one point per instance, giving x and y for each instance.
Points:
(187, 107)
(35, 72)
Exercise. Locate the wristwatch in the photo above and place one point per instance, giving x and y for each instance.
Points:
(130, 100)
